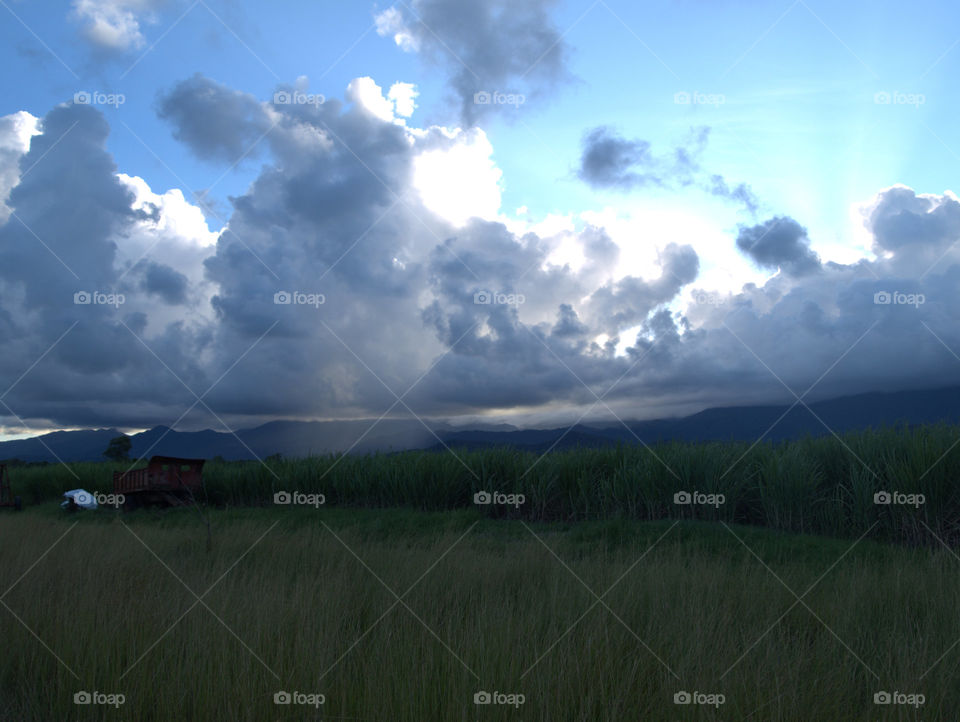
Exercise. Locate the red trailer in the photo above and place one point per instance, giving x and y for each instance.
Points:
(6, 496)
(166, 481)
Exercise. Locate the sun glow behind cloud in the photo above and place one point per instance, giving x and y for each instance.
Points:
(460, 182)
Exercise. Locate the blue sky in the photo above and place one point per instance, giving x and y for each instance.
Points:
(651, 139)
(798, 122)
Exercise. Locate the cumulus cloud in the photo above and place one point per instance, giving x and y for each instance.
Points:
(165, 282)
(608, 160)
(404, 97)
(16, 130)
(333, 285)
(456, 176)
(915, 227)
(488, 46)
(218, 123)
(779, 243)
(114, 25)
(67, 293)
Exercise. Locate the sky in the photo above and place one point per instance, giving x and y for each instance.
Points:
(216, 214)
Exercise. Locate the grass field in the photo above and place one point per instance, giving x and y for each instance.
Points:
(306, 600)
(582, 592)
(816, 486)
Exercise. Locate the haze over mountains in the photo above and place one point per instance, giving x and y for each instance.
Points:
(302, 438)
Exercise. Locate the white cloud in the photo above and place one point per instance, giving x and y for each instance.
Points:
(462, 181)
(369, 95)
(399, 102)
(646, 228)
(177, 216)
(16, 130)
(403, 96)
(391, 22)
(113, 24)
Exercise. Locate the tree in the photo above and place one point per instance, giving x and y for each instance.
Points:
(118, 449)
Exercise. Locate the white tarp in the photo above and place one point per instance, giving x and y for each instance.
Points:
(81, 497)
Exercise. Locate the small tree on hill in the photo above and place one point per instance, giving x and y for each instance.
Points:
(118, 449)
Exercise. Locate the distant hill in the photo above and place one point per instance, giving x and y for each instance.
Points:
(740, 423)
(86, 445)
(302, 438)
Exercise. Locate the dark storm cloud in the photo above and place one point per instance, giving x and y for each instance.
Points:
(779, 242)
(165, 282)
(68, 208)
(568, 324)
(611, 161)
(608, 160)
(488, 46)
(905, 223)
(218, 123)
(334, 215)
(59, 257)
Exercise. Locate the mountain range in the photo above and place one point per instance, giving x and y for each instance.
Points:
(302, 438)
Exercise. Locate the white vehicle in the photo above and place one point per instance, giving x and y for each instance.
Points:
(78, 499)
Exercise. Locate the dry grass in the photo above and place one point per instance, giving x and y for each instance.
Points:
(286, 605)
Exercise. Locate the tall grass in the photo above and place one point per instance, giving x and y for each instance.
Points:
(824, 485)
(489, 608)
